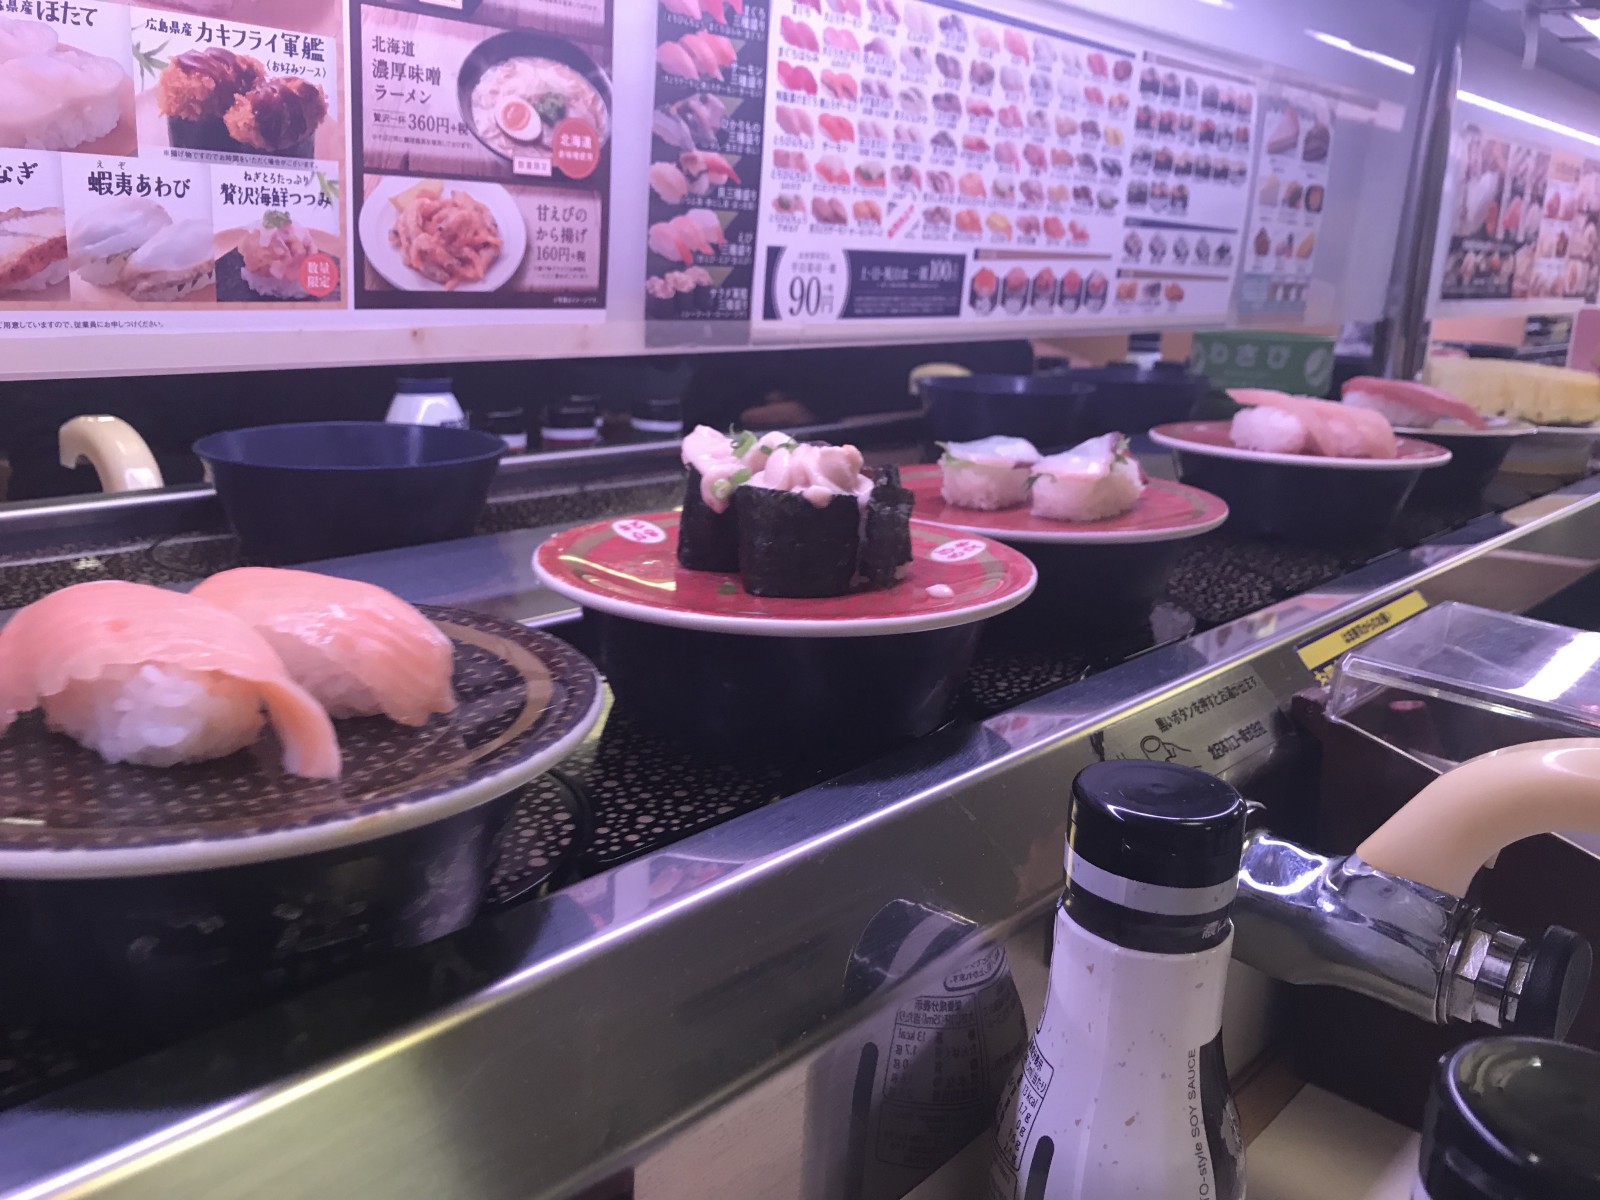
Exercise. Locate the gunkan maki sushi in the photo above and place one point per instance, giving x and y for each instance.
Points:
(811, 524)
(708, 533)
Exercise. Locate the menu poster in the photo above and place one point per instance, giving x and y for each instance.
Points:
(1290, 195)
(1188, 192)
(929, 162)
(705, 159)
(1526, 223)
(482, 153)
(184, 155)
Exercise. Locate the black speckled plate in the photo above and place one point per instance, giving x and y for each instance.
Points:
(526, 700)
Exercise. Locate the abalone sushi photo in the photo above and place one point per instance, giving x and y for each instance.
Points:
(177, 263)
(102, 240)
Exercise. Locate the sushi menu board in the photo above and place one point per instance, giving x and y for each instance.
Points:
(1525, 224)
(482, 150)
(705, 159)
(1290, 195)
(183, 155)
(1190, 166)
(933, 162)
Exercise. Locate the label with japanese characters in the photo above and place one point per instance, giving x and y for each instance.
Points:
(706, 139)
(1213, 726)
(483, 150)
(931, 162)
(168, 160)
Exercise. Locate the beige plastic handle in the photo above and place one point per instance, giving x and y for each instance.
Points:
(114, 449)
(1465, 817)
(933, 370)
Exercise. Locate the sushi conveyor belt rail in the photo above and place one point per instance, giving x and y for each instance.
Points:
(628, 795)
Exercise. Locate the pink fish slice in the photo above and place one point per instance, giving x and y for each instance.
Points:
(1416, 395)
(675, 60)
(684, 8)
(1335, 430)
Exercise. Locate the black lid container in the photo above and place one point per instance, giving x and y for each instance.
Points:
(1063, 408)
(1513, 1119)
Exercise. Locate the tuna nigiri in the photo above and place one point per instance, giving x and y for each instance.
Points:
(675, 60)
(143, 675)
(358, 649)
(1285, 424)
(1409, 405)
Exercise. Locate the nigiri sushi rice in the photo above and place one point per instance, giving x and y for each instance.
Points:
(1269, 429)
(1094, 481)
(54, 96)
(988, 474)
(157, 715)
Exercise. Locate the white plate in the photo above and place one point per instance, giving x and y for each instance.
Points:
(1413, 456)
(1459, 429)
(377, 219)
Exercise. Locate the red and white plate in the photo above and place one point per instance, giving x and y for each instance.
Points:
(1166, 512)
(629, 568)
(1214, 439)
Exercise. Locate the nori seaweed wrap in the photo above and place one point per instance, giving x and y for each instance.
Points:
(886, 544)
(708, 540)
(790, 547)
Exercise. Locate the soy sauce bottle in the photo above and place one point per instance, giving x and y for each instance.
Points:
(1512, 1118)
(1124, 1092)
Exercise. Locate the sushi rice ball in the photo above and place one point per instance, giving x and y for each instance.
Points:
(988, 474)
(1271, 430)
(1094, 481)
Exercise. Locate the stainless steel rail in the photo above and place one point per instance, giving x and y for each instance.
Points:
(678, 1021)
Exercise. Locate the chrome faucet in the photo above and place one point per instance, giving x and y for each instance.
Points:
(1305, 918)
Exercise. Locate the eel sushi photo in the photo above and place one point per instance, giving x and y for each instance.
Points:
(812, 524)
(708, 533)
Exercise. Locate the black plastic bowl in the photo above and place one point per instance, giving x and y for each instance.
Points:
(325, 489)
(1475, 459)
(782, 697)
(1087, 591)
(1064, 408)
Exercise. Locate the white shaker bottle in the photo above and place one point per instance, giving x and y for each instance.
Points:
(425, 402)
(1123, 1094)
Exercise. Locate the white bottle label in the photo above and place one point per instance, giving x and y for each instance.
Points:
(1123, 1092)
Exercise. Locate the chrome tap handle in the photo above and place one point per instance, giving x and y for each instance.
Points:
(1306, 918)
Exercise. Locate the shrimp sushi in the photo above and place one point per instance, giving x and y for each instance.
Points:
(143, 675)
(1328, 429)
(988, 474)
(1094, 481)
(708, 535)
(1409, 405)
(359, 650)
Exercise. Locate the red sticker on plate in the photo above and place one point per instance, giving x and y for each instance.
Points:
(319, 275)
(575, 147)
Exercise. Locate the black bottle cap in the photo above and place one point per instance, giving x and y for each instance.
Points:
(575, 412)
(1159, 823)
(1514, 1118)
(658, 408)
(1558, 980)
(422, 387)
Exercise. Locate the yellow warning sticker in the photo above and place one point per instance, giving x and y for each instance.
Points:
(1320, 655)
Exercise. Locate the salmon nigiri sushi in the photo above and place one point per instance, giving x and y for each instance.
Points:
(358, 649)
(143, 675)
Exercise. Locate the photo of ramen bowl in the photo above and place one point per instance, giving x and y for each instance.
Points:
(517, 87)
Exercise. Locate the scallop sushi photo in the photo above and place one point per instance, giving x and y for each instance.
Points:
(59, 96)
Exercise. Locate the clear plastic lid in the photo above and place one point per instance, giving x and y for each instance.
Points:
(1456, 681)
